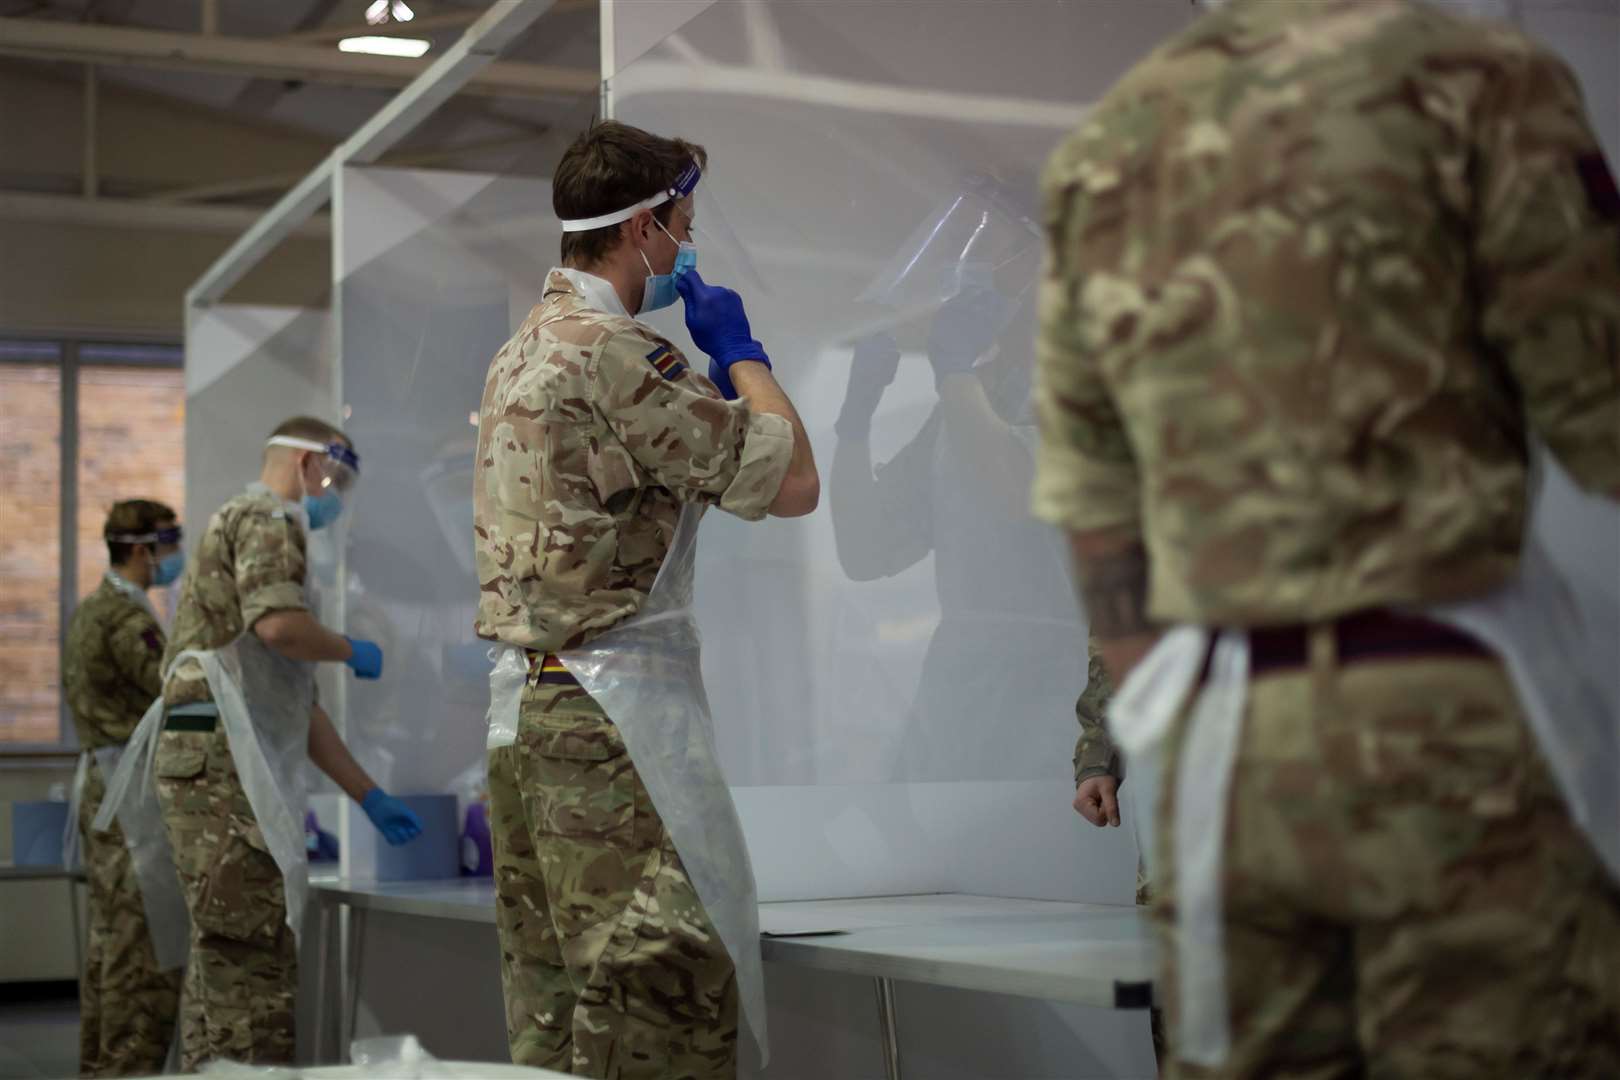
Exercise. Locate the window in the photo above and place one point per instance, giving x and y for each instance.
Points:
(132, 445)
(113, 416)
(30, 517)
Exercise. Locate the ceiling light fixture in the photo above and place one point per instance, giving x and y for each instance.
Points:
(382, 11)
(386, 46)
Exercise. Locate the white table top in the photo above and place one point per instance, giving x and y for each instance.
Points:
(1090, 954)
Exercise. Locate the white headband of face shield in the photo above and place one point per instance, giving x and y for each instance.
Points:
(336, 454)
(294, 443)
(682, 187)
(587, 224)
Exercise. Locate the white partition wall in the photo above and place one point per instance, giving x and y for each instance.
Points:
(434, 271)
(247, 369)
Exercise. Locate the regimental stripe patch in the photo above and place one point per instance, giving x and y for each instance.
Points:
(667, 361)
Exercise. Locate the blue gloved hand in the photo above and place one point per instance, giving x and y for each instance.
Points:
(872, 366)
(721, 377)
(366, 660)
(396, 821)
(717, 322)
(964, 330)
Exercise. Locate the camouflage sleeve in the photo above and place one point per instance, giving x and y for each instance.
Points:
(1548, 244)
(136, 646)
(1085, 472)
(702, 448)
(1094, 754)
(269, 565)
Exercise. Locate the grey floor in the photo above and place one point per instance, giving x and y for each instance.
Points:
(39, 1033)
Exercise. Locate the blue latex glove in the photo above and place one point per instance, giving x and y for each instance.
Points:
(872, 366)
(721, 377)
(396, 821)
(717, 322)
(366, 661)
(964, 330)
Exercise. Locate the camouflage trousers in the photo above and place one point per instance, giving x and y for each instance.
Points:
(1405, 894)
(127, 1006)
(609, 964)
(241, 972)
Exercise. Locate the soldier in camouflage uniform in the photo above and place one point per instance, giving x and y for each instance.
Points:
(593, 433)
(247, 582)
(110, 673)
(1317, 272)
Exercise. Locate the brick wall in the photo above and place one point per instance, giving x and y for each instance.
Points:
(131, 445)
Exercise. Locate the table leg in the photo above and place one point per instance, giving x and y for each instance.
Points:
(323, 957)
(888, 1030)
(351, 995)
(78, 931)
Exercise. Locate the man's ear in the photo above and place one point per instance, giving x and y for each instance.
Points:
(640, 228)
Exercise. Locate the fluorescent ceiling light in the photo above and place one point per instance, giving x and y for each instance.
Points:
(386, 46)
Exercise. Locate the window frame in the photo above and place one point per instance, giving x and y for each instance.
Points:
(70, 346)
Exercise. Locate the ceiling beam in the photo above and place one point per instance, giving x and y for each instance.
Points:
(258, 185)
(472, 53)
(39, 39)
(105, 213)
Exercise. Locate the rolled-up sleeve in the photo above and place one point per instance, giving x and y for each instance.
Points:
(270, 565)
(702, 448)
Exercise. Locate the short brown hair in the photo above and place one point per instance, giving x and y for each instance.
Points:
(134, 517)
(609, 167)
(307, 427)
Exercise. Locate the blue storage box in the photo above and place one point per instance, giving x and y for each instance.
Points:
(36, 832)
(434, 854)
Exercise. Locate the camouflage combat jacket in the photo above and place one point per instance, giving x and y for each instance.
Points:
(1317, 273)
(592, 434)
(251, 561)
(111, 666)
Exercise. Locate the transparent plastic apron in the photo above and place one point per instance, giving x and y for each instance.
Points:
(264, 702)
(1531, 623)
(141, 820)
(646, 675)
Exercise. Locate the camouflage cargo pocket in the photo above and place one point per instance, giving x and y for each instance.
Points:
(581, 780)
(242, 896)
(182, 755)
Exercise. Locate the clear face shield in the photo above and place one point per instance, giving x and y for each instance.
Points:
(983, 238)
(339, 468)
(721, 257)
(169, 537)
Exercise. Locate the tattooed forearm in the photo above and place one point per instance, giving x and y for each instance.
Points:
(1111, 567)
(1113, 587)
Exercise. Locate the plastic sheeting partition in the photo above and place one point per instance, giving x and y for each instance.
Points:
(435, 270)
(247, 369)
(894, 678)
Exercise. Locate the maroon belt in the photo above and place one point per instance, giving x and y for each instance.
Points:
(1377, 634)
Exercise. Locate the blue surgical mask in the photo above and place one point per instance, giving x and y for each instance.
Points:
(660, 292)
(323, 509)
(168, 568)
